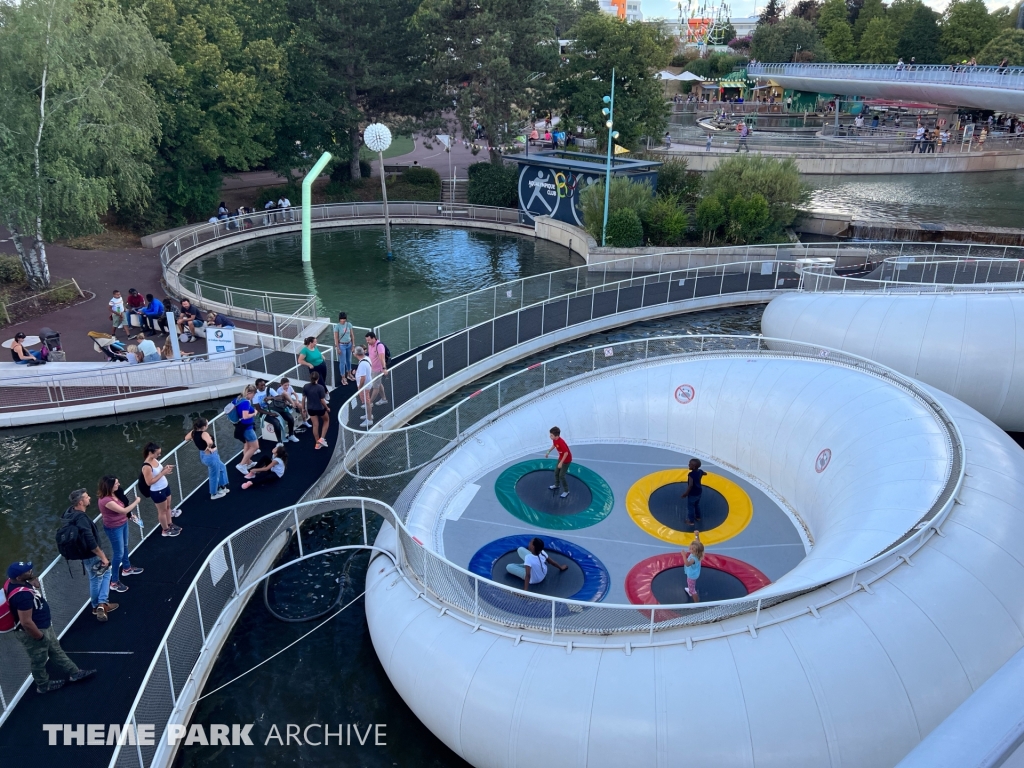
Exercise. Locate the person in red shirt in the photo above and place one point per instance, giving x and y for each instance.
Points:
(564, 460)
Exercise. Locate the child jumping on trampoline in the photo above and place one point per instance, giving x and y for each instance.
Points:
(564, 460)
(694, 490)
(692, 558)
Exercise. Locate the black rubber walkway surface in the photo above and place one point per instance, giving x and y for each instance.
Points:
(122, 648)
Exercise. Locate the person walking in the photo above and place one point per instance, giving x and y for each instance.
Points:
(118, 317)
(744, 133)
(207, 447)
(692, 559)
(693, 492)
(918, 140)
(77, 525)
(534, 568)
(707, 144)
(313, 358)
(269, 469)
(564, 460)
(34, 629)
(378, 356)
(315, 395)
(364, 375)
(343, 343)
(116, 512)
(245, 427)
(154, 475)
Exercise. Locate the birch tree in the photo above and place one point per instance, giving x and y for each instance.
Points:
(78, 122)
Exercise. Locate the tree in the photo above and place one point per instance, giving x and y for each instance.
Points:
(966, 29)
(778, 181)
(878, 43)
(780, 42)
(343, 78)
(1008, 44)
(79, 120)
(872, 9)
(623, 193)
(636, 51)
(919, 38)
(807, 10)
(831, 14)
(772, 13)
(839, 43)
(491, 57)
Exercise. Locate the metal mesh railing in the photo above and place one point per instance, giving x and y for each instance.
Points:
(937, 74)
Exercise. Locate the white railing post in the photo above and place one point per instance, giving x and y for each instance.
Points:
(199, 610)
(234, 569)
(170, 676)
(552, 620)
(650, 632)
(298, 530)
(362, 506)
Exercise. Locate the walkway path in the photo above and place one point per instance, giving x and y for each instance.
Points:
(123, 648)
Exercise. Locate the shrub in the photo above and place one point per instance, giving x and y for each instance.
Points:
(623, 193)
(777, 181)
(365, 169)
(710, 217)
(491, 184)
(665, 222)
(11, 270)
(422, 177)
(625, 229)
(675, 180)
(749, 218)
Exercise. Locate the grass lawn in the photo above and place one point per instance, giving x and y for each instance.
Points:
(400, 145)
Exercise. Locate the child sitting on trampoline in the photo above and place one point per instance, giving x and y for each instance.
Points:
(692, 559)
(534, 567)
(268, 469)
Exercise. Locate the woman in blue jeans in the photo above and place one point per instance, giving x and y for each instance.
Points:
(204, 442)
(117, 512)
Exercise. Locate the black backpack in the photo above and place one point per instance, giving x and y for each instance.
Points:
(70, 543)
(141, 485)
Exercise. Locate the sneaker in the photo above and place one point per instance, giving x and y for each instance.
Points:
(110, 607)
(174, 530)
(365, 422)
(218, 495)
(81, 674)
(688, 591)
(52, 685)
(100, 613)
(133, 571)
(292, 439)
(117, 586)
(279, 445)
(382, 401)
(175, 512)
(322, 442)
(243, 468)
(552, 487)
(563, 494)
(308, 424)
(225, 490)
(256, 451)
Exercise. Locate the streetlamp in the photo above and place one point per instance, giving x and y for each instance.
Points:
(608, 112)
(378, 138)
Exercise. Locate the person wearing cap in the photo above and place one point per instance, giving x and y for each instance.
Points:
(21, 355)
(97, 566)
(35, 629)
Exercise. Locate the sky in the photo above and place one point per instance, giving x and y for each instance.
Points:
(669, 9)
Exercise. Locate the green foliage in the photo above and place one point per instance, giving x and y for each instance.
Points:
(623, 193)
(492, 184)
(778, 42)
(674, 180)
(711, 216)
(831, 14)
(11, 270)
(872, 9)
(78, 120)
(625, 229)
(839, 43)
(421, 184)
(772, 13)
(1008, 44)
(665, 221)
(422, 177)
(967, 27)
(749, 219)
(806, 10)
(777, 181)
(919, 37)
(878, 43)
(714, 66)
(636, 51)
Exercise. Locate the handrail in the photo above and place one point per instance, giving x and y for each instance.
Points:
(172, 672)
(939, 74)
(909, 273)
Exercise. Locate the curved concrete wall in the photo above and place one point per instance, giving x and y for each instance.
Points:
(965, 344)
(858, 684)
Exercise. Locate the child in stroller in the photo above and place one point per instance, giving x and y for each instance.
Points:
(112, 349)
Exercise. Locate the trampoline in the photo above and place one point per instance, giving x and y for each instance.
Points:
(522, 490)
(660, 580)
(669, 586)
(654, 504)
(668, 507)
(585, 579)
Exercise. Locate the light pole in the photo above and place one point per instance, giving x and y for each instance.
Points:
(307, 205)
(378, 138)
(608, 112)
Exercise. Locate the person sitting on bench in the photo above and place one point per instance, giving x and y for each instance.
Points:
(154, 313)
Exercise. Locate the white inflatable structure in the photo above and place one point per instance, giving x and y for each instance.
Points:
(908, 601)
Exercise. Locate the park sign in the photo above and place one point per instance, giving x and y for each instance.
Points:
(550, 181)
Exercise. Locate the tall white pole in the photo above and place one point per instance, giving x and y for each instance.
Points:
(384, 192)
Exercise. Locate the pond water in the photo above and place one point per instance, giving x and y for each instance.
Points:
(350, 272)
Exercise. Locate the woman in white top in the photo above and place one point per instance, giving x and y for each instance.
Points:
(535, 563)
(155, 475)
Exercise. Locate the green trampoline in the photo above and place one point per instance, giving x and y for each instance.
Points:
(523, 489)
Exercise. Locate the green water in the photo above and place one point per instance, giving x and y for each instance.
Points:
(350, 272)
(42, 465)
(983, 199)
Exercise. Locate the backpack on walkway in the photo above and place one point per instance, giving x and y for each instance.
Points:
(8, 618)
(70, 543)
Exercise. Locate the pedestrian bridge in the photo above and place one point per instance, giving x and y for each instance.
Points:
(997, 88)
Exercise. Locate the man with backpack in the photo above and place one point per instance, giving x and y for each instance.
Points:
(379, 358)
(25, 611)
(78, 539)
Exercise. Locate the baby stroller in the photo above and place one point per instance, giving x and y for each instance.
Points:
(52, 351)
(112, 349)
